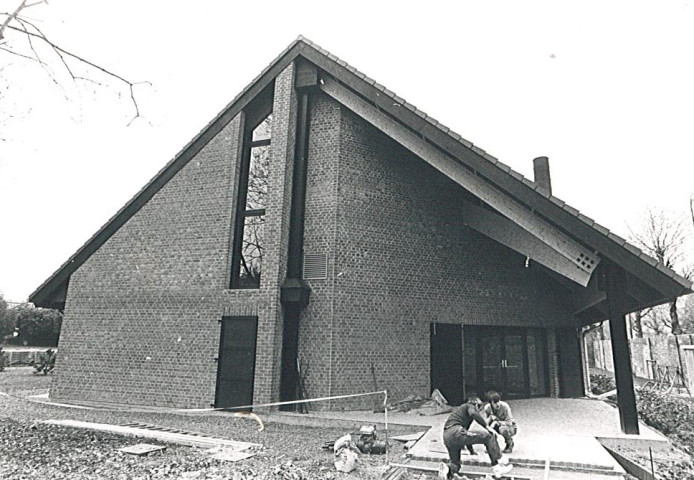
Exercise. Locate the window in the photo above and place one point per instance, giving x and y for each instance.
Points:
(249, 242)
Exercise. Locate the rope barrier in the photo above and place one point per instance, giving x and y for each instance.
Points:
(290, 402)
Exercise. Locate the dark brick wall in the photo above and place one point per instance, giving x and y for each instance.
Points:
(400, 258)
(142, 316)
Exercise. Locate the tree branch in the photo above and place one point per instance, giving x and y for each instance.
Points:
(31, 31)
(10, 17)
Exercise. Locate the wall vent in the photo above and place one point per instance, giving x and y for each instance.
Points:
(315, 266)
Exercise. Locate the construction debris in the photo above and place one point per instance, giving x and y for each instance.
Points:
(394, 473)
(409, 437)
(415, 404)
(142, 449)
(346, 454)
(228, 454)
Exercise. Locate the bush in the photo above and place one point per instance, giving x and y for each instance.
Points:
(600, 384)
(36, 326)
(669, 414)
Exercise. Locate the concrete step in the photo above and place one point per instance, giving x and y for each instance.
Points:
(519, 472)
(483, 461)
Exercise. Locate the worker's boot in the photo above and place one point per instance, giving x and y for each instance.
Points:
(443, 471)
(500, 470)
(509, 446)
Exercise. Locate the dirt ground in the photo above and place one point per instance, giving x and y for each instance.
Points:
(30, 449)
(662, 459)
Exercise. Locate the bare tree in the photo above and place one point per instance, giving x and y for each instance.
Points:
(636, 320)
(662, 236)
(21, 37)
(687, 314)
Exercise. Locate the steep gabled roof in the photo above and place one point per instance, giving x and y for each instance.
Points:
(662, 283)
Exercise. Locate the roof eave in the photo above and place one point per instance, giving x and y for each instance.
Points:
(43, 293)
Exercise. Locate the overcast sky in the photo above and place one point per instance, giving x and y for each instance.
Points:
(604, 89)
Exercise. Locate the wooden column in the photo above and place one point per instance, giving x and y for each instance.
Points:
(615, 285)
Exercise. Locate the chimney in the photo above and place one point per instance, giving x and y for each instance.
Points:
(541, 167)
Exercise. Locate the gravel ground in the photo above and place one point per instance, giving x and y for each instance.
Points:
(33, 450)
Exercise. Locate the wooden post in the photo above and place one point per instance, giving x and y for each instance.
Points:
(626, 399)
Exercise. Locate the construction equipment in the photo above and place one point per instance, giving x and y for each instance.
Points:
(368, 443)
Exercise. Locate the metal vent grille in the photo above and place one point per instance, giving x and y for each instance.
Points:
(315, 266)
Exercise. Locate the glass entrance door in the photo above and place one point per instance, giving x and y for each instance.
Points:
(511, 361)
(492, 353)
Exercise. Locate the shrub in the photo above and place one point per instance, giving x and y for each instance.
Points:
(600, 384)
(670, 414)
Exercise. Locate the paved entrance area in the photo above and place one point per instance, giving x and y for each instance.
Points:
(564, 432)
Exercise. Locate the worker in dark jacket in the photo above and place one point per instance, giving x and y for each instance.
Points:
(456, 436)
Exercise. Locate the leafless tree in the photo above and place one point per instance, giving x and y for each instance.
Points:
(253, 242)
(663, 236)
(636, 320)
(21, 37)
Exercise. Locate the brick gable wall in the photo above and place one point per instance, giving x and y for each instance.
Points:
(142, 315)
(400, 259)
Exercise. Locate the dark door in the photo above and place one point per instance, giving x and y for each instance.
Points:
(446, 343)
(511, 361)
(236, 362)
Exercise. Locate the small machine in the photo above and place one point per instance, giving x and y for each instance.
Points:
(368, 443)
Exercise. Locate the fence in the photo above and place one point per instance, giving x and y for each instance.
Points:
(648, 353)
(15, 357)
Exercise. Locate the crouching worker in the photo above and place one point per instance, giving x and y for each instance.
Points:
(456, 436)
(500, 419)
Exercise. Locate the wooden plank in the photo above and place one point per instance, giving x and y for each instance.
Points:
(408, 437)
(507, 233)
(184, 439)
(581, 257)
(142, 449)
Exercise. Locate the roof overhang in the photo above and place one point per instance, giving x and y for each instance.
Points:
(556, 235)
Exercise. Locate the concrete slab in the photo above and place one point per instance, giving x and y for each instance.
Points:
(563, 431)
(573, 416)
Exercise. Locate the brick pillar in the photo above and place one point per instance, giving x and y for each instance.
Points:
(553, 362)
(269, 346)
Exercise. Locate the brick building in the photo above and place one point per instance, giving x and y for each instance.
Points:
(320, 218)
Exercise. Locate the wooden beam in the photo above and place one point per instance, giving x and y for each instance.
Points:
(626, 398)
(306, 74)
(581, 257)
(588, 299)
(510, 234)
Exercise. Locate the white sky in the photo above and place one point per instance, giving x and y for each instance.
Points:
(605, 89)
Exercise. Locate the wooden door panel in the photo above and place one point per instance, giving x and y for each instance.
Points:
(236, 362)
